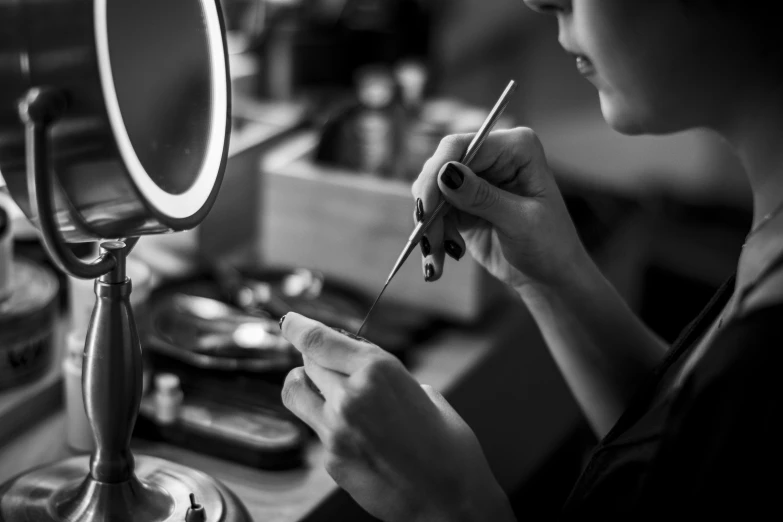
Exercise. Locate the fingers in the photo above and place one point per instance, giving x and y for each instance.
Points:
(325, 346)
(303, 401)
(453, 243)
(513, 160)
(330, 383)
(432, 251)
(425, 188)
(427, 196)
(476, 196)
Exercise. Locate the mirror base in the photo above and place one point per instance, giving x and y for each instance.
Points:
(159, 492)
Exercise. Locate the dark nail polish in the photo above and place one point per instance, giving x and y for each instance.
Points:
(452, 249)
(425, 246)
(452, 177)
(429, 272)
(419, 210)
(281, 322)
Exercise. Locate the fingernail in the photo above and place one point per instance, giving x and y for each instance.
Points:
(351, 335)
(429, 272)
(425, 246)
(281, 322)
(452, 177)
(419, 210)
(452, 249)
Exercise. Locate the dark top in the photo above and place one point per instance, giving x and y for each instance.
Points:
(714, 446)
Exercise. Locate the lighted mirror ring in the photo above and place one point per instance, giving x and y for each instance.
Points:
(188, 203)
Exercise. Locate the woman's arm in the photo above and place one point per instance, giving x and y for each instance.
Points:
(601, 347)
(509, 214)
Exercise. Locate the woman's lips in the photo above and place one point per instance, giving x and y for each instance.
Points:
(584, 65)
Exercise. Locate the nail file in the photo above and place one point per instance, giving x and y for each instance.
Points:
(443, 206)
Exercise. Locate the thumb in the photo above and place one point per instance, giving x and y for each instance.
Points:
(467, 192)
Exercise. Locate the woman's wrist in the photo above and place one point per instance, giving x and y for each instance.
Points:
(574, 280)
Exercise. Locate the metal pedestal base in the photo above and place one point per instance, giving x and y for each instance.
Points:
(158, 493)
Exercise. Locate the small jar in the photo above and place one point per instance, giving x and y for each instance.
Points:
(168, 398)
(28, 318)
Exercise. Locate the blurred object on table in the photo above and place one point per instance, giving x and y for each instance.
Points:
(28, 310)
(392, 128)
(229, 417)
(207, 333)
(366, 135)
(226, 319)
(28, 317)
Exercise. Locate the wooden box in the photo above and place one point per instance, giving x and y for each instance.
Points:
(352, 228)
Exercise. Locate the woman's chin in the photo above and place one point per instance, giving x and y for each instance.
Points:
(621, 118)
(635, 119)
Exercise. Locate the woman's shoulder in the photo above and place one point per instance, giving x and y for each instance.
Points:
(767, 295)
(747, 344)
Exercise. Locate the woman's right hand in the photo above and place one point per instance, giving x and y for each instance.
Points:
(508, 211)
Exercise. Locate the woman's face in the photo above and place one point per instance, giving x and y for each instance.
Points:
(659, 65)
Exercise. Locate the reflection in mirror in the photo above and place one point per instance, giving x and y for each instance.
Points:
(163, 85)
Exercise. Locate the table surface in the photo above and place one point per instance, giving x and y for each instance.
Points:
(449, 362)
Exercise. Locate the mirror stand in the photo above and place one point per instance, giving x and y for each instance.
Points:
(111, 484)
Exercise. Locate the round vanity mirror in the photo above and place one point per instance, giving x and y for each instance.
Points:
(141, 145)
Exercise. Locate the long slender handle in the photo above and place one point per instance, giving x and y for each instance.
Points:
(467, 157)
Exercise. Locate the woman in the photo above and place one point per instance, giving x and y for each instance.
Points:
(691, 429)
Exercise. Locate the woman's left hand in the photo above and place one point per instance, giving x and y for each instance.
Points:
(396, 447)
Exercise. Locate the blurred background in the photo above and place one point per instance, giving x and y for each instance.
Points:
(336, 106)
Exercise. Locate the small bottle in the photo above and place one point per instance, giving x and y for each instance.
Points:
(374, 135)
(417, 132)
(411, 76)
(168, 398)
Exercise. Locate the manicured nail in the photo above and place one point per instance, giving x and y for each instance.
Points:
(452, 177)
(452, 249)
(419, 210)
(281, 322)
(349, 334)
(425, 246)
(429, 272)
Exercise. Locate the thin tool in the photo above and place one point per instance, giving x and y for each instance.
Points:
(444, 206)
